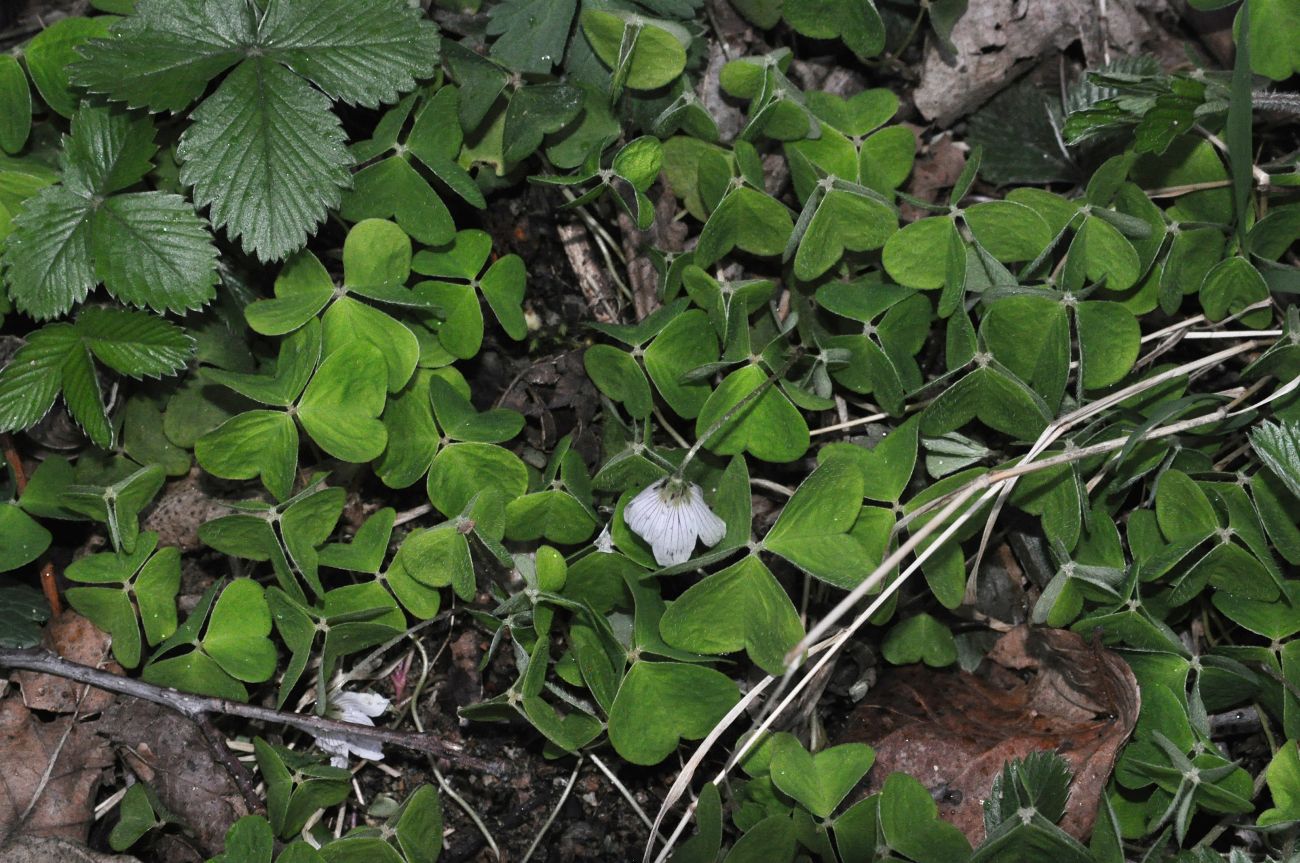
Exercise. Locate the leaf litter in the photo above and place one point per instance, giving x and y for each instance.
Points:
(1038, 689)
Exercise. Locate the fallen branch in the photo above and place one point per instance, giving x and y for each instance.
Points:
(239, 774)
(198, 707)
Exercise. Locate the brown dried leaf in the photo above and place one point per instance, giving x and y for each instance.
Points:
(1040, 689)
(77, 639)
(169, 752)
(43, 849)
(65, 805)
(937, 168)
(996, 39)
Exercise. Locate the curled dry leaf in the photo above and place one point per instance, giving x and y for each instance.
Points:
(169, 752)
(77, 639)
(43, 849)
(1039, 689)
(996, 38)
(64, 804)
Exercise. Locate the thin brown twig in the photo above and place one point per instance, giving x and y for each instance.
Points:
(194, 706)
(50, 587)
(592, 279)
(243, 778)
(15, 461)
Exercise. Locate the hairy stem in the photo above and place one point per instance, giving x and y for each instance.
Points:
(1271, 100)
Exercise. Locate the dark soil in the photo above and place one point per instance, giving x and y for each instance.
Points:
(595, 821)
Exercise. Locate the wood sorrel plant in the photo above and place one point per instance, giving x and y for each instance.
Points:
(290, 208)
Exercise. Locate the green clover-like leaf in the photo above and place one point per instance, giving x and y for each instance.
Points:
(151, 580)
(642, 732)
(746, 219)
(813, 531)
(822, 780)
(341, 406)
(769, 426)
(463, 470)
(743, 607)
(646, 53)
(254, 444)
(920, 638)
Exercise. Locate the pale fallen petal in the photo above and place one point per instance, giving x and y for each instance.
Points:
(605, 542)
(359, 706)
(345, 745)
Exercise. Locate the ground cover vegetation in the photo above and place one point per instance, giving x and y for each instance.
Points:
(746, 430)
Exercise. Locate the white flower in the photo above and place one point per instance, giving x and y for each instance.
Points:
(670, 515)
(605, 542)
(360, 708)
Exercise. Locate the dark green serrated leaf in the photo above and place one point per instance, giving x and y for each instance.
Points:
(151, 250)
(1018, 134)
(32, 379)
(137, 344)
(163, 56)
(362, 52)
(48, 264)
(83, 396)
(267, 156)
(106, 152)
(263, 151)
(1278, 446)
